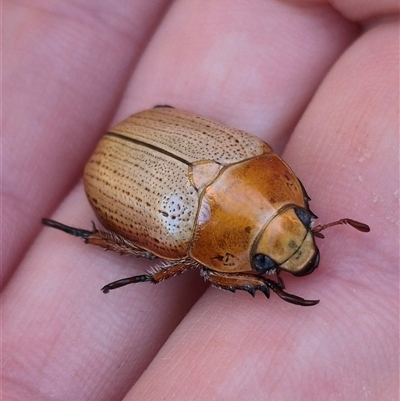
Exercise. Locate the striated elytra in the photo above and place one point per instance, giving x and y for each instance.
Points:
(173, 185)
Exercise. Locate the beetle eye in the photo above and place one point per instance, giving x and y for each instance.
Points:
(304, 216)
(263, 263)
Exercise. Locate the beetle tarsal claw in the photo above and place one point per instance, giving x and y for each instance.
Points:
(294, 299)
(125, 281)
(278, 286)
(265, 290)
(76, 232)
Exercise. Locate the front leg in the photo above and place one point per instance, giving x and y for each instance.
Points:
(251, 283)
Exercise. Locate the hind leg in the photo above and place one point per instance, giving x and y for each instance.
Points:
(104, 239)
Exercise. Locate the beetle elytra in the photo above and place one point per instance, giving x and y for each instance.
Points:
(173, 185)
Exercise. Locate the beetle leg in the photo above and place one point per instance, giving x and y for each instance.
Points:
(291, 298)
(235, 281)
(155, 274)
(251, 283)
(105, 239)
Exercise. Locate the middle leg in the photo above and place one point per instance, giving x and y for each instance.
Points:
(155, 275)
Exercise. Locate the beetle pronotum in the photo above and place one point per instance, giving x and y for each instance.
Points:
(173, 185)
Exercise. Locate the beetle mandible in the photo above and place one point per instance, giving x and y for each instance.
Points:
(173, 185)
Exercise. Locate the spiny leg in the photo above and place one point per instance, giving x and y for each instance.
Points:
(251, 283)
(154, 275)
(104, 239)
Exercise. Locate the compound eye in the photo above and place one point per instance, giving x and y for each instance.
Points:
(263, 263)
(304, 216)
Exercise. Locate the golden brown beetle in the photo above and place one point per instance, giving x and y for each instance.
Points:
(170, 184)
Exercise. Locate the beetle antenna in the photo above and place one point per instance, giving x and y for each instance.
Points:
(355, 224)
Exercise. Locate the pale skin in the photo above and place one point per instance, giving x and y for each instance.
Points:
(319, 84)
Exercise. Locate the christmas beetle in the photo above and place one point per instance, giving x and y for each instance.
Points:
(170, 184)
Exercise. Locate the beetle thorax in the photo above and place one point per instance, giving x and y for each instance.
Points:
(235, 211)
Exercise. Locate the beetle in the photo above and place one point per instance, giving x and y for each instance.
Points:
(173, 185)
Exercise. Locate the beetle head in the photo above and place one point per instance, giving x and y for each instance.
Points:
(287, 243)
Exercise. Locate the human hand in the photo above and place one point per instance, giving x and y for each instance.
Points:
(71, 71)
